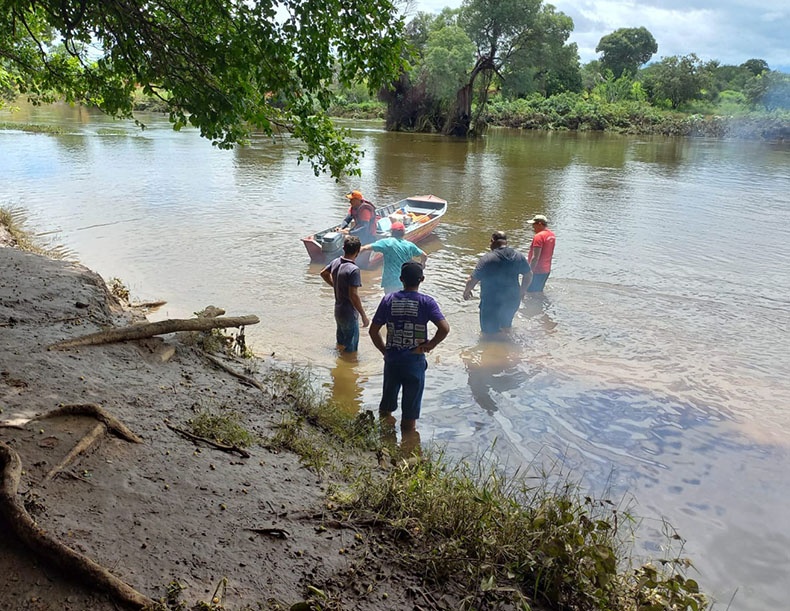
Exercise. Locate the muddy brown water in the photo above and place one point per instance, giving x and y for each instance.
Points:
(656, 370)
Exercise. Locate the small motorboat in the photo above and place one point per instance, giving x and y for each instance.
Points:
(420, 214)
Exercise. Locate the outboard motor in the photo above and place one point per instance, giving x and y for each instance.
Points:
(332, 245)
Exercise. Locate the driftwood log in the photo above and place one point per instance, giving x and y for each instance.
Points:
(147, 305)
(18, 521)
(150, 329)
(82, 445)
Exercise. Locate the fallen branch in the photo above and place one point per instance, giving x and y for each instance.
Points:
(277, 533)
(233, 372)
(148, 305)
(95, 411)
(19, 522)
(150, 329)
(220, 446)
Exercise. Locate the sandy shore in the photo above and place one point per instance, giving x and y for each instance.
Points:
(167, 509)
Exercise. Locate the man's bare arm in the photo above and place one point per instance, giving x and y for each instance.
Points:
(471, 283)
(442, 329)
(353, 295)
(535, 257)
(375, 336)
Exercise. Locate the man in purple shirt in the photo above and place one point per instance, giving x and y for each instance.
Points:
(406, 315)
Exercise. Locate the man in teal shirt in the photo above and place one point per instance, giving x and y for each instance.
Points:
(396, 251)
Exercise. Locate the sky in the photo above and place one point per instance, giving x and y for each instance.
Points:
(731, 31)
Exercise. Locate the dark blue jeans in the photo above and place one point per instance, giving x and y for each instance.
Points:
(406, 372)
(538, 282)
(347, 333)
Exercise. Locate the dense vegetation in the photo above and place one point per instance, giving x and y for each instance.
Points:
(226, 67)
(231, 67)
(508, 62)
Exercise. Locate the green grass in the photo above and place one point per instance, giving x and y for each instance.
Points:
(32, 127)
(518, 540)
(314, 409)
(223, 427)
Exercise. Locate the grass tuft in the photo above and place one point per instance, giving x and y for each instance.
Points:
(313, 408)
(31, 127)
(223, 428)
(315, 428)
(518, 539)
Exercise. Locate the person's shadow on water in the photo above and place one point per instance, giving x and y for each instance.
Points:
(493, 368)
(536, 307)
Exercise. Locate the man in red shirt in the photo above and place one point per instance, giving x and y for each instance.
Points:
(540, 253)
(361, 219)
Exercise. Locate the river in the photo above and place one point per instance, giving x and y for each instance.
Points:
(655, 372)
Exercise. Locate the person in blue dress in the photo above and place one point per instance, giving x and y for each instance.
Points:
(498, 273)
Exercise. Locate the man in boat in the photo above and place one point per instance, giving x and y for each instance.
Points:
(540, 253)
(396, 251)
(361, 219)
(406, 315)
(342, 274)
(501, 293)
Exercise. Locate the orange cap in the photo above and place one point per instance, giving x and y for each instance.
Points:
(355, 195)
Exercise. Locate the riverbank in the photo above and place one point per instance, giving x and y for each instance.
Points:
(172, 517)
(294, 505)
(575, 113)
(572, 112)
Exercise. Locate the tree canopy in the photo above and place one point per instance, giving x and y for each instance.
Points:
(463, 52)
(677, 79)
(624, 50)
(227, 67)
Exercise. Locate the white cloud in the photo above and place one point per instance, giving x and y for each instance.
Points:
(730, 31)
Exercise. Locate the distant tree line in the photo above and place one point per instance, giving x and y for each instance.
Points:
(508, 50)
(235, 67)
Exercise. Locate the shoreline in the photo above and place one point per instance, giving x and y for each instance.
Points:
(317, 510)
(168, 510)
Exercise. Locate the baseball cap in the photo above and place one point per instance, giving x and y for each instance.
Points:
(355, 195)
(539, 218)
(398, 226)
(411, 273)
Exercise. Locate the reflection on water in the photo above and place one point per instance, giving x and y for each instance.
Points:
(494, 369)
(346, 384)
(410, 444)
(657, 364)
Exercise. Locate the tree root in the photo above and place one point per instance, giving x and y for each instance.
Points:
(19, 522)
(82, 445)
(162, 327)
(95, 411)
